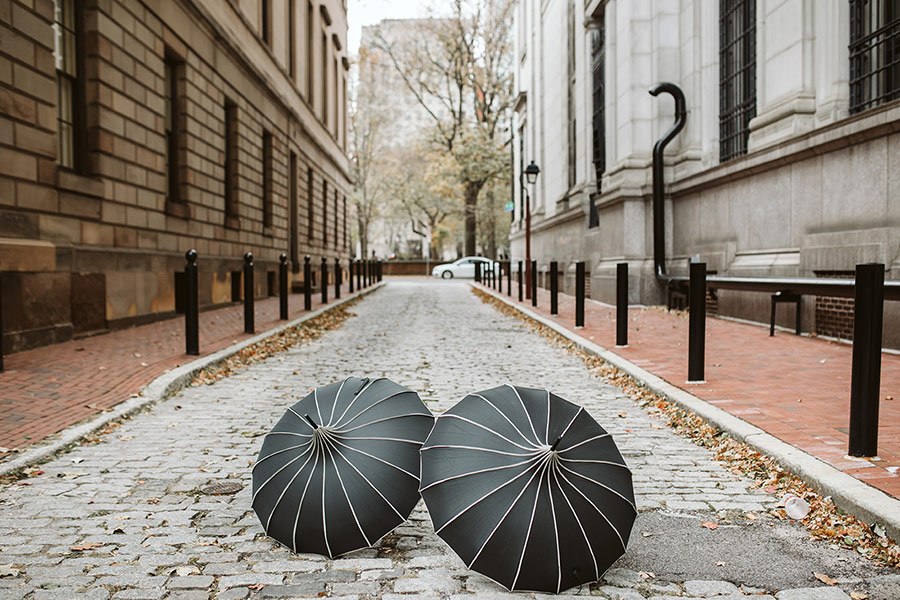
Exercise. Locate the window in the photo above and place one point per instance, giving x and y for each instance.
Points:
(598, 122)
(67, 28)
(267, 178)
(737, 75)
(310, 12)
(265, 22)
(337, 237)
(325, 79)
(324, 213)
(292, 202)
(174, 74)
(874, 53)
(310, 211)
(346, 226)
(336, 111)
(292, 39)
(231, 164)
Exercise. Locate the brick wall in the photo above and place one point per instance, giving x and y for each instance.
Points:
(113, 237)
(834, 316)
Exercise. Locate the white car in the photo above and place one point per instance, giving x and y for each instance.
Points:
(464, 268)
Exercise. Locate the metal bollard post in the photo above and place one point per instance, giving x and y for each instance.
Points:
(191, 305)
(697, 323)
(509, 278)
(283, 288)
(865, 378)
(359, 285)
(554, 288)
(350, 273)
(307, 284)
(380, 270)
(579, 294)
(534, 283)
(323, 283)
(477, 271)
(622, 304)
(521, 283)
(338, 278)
(249, 295)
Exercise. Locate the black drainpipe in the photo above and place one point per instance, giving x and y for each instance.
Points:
(659, 193)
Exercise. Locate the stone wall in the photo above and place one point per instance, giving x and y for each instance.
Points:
(88, 249)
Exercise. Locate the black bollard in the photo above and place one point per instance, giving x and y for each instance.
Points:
(579, 294)
(509, 278)
(338, 278)
(622, 304)
(323, 274)
(477, 271)
(554, 288)
(865, 378)
(359, 285)
(307, 284)
(191, 305)
(534, 283)
(380, 270)
(283, 287)
(350, 273)
(249, 295)
(697, 323)
(521, 283)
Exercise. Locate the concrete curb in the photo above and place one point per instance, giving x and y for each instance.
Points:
(851, 495)
(159, 389)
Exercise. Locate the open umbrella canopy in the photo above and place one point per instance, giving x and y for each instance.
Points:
(527, 489)
(341, 468)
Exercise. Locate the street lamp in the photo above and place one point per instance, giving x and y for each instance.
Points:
(531, 174)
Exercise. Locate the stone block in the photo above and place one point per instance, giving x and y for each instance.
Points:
(27, 255)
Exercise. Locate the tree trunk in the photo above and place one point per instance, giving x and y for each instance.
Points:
(363, 230)
(471, 202)
(492, 225)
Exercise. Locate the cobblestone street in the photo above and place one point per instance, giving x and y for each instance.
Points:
(124, 518)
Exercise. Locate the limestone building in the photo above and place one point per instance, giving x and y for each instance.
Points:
(789, 164)
(134, 130)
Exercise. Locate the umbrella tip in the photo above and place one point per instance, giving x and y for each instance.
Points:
(555, 444)
(363, 383)
(311, 422)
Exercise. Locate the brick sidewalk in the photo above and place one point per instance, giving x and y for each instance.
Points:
(795, 388)
(45, 390)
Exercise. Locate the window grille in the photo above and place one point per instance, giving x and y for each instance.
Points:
(874, 53)
(737, 75)
(70, 115)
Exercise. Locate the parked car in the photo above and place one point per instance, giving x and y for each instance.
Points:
(464, 268)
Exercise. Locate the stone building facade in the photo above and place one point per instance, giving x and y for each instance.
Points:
(789, 164)
(134, 130)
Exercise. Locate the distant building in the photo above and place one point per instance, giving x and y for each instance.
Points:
(788, 165)
(132, 131)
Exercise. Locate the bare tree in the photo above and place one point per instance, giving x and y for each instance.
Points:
(367, 120)
(459, 69)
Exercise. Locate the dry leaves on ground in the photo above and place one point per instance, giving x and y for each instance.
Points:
(825, 521)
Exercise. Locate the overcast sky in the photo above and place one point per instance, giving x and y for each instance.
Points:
(369, 12)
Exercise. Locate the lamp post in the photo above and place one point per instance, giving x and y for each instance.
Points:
(531, 174)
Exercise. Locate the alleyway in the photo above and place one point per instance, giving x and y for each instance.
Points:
(124, 518)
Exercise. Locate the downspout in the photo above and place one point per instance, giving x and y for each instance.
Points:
(659, 192)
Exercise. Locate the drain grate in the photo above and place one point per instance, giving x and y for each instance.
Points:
(221, 488)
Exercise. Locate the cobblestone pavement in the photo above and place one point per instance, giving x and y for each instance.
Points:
(124, 519)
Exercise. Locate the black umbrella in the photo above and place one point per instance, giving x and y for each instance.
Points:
(527, 489)
(341, 468)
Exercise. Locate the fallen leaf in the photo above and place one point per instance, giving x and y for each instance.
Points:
(859, 595)
(825, 578)
(623, 414)
(77, 460)
(646, 534)
(647, 575)
(9, 571)
(87, 546)
(710, 525)
(256, 586)
(720, 564)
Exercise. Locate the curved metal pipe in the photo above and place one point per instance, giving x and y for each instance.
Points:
(659, 231)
